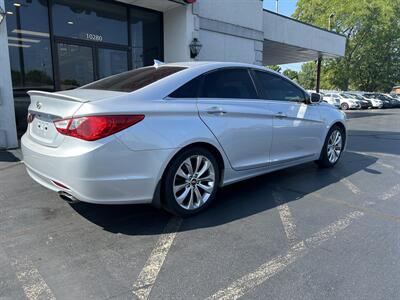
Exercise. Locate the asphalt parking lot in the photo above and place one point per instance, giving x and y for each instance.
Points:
(300, 233)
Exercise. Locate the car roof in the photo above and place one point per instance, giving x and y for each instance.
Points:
(216, 64)
(165, 86)
(210, 65)
(204, 66)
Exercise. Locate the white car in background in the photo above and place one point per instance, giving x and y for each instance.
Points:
(376, 103)
(346, 102)
(332, 99)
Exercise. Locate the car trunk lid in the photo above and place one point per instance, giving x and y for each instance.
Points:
(47, 107)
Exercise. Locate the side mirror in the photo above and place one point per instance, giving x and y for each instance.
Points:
(315, 98)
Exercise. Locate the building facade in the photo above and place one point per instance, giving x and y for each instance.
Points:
(55, 45)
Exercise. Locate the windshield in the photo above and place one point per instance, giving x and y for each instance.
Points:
(344, 95)
(358, 97)
(133, 80)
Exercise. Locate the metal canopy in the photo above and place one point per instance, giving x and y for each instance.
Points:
(276, 53)
(287, 40)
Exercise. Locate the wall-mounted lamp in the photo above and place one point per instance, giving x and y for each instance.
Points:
(2, 15)
(195, 47)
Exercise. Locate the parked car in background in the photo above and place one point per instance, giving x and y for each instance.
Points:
(386, 101)
(364, 103)
(396, 98)
(375, 103)
(345, 102)
(176, 132)
(331, 99)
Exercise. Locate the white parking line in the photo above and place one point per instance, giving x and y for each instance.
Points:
(388, 167)
(241, 286)
(391, 193)
(33, 283)
(147, 277)
(378, 154)
(351, 186)
(286, 217)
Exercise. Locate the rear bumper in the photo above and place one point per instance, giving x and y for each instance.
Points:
(104, 173)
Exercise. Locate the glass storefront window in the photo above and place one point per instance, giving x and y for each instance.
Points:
(75, 65)
(96, 21)
(29, 45)
(111, 62)
(146, 36)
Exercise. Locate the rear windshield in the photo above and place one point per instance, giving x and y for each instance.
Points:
(133, 80)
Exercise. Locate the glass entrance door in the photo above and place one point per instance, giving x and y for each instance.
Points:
(79, 64)
(110, 62)
(75, 65)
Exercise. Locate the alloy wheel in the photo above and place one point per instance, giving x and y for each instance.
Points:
(334, 146)
(194, 182)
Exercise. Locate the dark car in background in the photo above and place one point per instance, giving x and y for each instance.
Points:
(396, 98)
(387, 101)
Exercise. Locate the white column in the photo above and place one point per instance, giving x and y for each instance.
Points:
(178, 33)
(8, 132)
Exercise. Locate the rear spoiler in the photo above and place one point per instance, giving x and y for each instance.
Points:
(56, 96)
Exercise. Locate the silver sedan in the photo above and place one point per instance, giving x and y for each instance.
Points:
(172, 134)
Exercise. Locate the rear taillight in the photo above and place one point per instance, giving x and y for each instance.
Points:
(92, 128)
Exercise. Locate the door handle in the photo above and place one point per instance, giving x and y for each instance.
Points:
(215, 110)
(280, 115)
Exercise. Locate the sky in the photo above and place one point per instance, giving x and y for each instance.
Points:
(287, 8)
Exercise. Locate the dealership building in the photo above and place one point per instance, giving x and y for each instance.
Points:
(54, 45)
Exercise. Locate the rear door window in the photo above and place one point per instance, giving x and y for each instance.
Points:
(133, 80)
(232, 83)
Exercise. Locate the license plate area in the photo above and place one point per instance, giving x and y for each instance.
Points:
(42, 129)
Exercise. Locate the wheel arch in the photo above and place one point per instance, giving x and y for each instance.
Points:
(157, 199)
(343, 127)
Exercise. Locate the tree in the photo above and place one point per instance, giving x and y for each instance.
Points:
(307, 75)
(291, 74)
(372, 29)
(275, 68)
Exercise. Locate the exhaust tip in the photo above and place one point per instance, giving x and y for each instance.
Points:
(68, 197)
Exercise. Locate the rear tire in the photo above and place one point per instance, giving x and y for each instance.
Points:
(344, 106)
(190, 182)
(333, 147)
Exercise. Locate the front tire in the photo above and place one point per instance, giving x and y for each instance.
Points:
(344, 106)
(190, 182)
(333, 147)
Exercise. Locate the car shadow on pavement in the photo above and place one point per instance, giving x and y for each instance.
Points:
(365, 114)
(234, 202)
